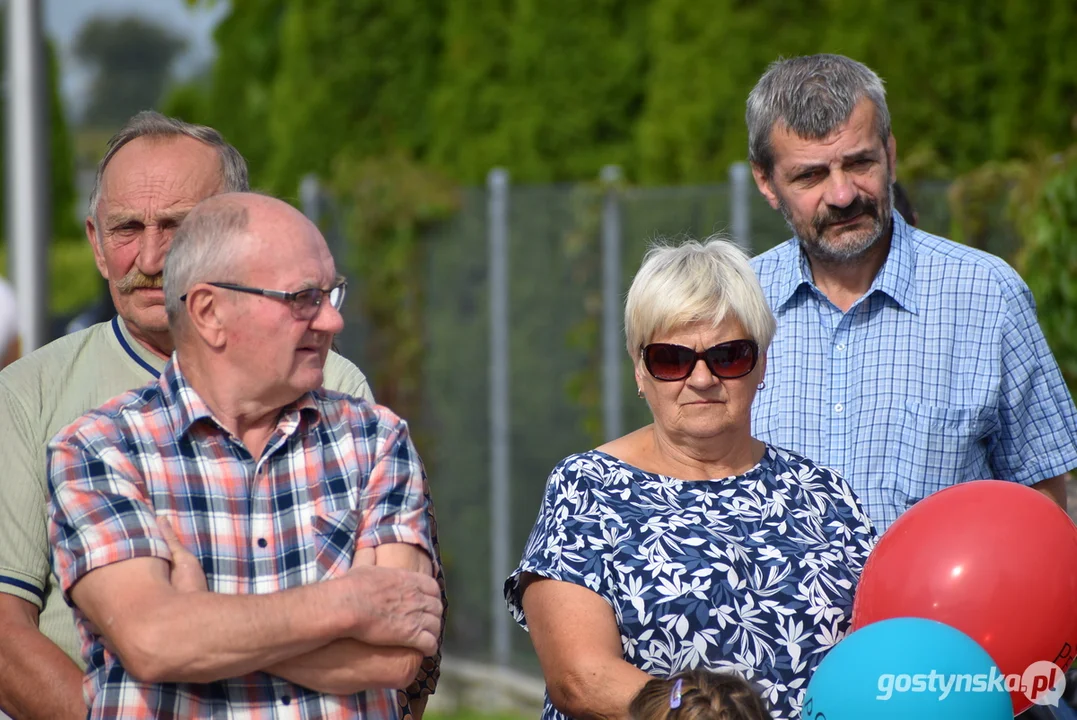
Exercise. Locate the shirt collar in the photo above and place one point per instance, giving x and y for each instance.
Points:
(187, 407)
(139, 353)
(896, 278)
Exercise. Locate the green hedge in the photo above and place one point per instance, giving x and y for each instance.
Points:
(554, 90)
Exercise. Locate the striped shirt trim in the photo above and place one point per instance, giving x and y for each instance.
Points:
(14, 582)
(130, 350)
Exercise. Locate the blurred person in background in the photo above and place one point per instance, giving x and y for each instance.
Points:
(156, 169)
(9, 325)
(307, 508)
(905, 361)
(689, 543)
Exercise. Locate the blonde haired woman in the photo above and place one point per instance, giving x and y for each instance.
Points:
(689, 543)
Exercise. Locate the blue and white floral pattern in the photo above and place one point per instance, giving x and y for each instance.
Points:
(753, 573)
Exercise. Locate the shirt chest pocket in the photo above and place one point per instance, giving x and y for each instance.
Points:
(334, 542)
(940, 446)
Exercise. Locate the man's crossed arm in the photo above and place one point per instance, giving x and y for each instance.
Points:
(369, 628)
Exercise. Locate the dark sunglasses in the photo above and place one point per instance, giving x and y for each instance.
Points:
(304, 303)
(728, 360)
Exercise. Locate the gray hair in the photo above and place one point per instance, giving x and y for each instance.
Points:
(811, 95)
(693, 282)
(150, 123)
(204, 247)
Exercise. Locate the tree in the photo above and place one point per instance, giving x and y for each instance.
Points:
(354, 78)
(575, 87)
(236, 99)
(132, 59)
(470, 100)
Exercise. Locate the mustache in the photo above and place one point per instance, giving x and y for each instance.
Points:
(860, 206)
(135, 280)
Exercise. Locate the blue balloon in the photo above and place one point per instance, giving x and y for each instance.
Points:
(906, 668)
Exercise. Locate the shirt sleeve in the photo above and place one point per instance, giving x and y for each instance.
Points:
(558, 547)
(98, 511)
(1037, 418)
(24, 540)
(394, 499)
(396, 506)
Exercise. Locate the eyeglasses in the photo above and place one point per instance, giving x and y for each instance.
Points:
(305, 303)
(728, 360)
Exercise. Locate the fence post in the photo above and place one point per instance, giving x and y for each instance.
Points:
(29, 204)
(497, 183)
(740, 180)
(612, 238)
(310, 191)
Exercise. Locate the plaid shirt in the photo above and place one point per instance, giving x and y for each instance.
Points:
(939, 374)
(337, 474)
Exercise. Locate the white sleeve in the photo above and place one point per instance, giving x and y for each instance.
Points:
(9, 318)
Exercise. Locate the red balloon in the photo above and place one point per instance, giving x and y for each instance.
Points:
(996, 560)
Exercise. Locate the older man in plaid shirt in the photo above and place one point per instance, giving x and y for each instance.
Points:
(238, 541)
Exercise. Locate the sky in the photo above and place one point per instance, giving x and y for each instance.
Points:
(63, 18)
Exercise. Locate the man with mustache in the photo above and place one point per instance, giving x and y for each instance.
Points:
(905, 361)
(239, 541)
(156, 169)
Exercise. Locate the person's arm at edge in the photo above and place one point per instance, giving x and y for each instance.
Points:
(346, 666)
(30, 663)
(575, 635)
(1031, 379)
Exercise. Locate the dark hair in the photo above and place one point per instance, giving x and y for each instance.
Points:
(699, 695)
(903, 205)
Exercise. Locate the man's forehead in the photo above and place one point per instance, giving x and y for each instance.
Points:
(162, 172)
(289, 248)
(791, 149)
(857, 134)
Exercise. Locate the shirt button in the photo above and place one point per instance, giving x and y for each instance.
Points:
(285, 699)
(262, 542)
(841, 346)
(838, 408)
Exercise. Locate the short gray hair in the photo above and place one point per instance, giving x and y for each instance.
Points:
(203, 248)
(149, 123)
(811, 95)
(695, 282)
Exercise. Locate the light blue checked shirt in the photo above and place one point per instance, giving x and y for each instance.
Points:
(938, 375)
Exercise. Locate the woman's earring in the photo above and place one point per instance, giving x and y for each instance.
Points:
(639, 393)
(762, 385)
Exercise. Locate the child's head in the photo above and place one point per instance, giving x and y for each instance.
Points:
(698, 695)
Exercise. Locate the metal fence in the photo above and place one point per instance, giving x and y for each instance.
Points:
(524, 357)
